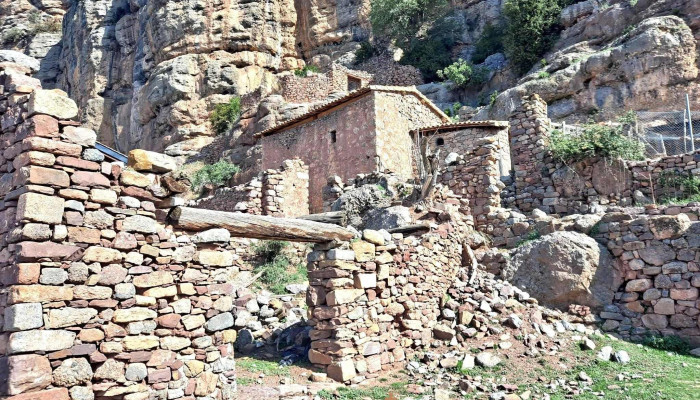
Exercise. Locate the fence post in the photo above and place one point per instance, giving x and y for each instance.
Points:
(690, 122)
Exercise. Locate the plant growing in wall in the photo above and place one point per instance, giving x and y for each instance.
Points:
(303, 72)
(276, 269)
(214, 174)
(225, 115)
(596, 141)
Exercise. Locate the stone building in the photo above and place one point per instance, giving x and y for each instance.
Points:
(366, 130)
(463, 138)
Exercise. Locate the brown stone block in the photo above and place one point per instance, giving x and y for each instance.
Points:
(52, 146)
(52, 394)
(83, 235)
(38, 125)
(78, 163)
(25, 373)
(89, 179)
(34, 158)
(39, 294)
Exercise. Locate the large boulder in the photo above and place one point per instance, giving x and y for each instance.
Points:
(565, 268)
(356, 202)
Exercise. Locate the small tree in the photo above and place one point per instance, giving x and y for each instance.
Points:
(463, 74)
(225, 115)
(401, 20)
(532, 28)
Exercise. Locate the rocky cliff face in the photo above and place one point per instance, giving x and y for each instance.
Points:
(148, 73)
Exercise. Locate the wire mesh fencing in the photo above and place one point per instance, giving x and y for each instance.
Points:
(668, 132)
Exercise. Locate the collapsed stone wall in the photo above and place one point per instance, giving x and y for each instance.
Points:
(374, 301)
(318, 86)
(542, 183)
(282, 192)
(99, 295)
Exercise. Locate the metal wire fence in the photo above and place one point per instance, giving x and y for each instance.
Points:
(668, 133)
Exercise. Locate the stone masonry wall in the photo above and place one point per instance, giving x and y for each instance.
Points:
(318, 86)
(374, 301)
(660, 258)
(476, 177)
(541, 183)
(99, 296)
(282, 192)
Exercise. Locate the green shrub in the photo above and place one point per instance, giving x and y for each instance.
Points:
(543, 75)
(531, 29)
(530, 237)
(667, 343)
(490, 42)
(679, 188)
(401, 20)
(365, 52)
(225, 115)
(453, 112)
(52, 25)
(428, 56)
(303, 72)
(463, 74)
(14, 36)
(216, 174)
(275, 267)
(493, 98)
(595, 140)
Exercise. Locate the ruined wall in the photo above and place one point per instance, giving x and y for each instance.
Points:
(318, 86)
(99, 296)
(584, 186)
(465, 140)
(352, 153)
(282, 192)
(660, 257)
(475, 176)
(374, 301)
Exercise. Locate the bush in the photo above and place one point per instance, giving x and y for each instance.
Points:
(432, 52)
(595, 140)
(543, 75)
(303, 72)
(13, 36)
(225, 115)
(490, 42)
(679, 188)
(667, 343)
(275, 267)
(216, 174)
(401, 20)
(365, 52)
(532, 28)
(463, 73)
(453, 112)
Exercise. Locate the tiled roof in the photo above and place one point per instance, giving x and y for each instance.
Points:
(350, 96)
(464, 124)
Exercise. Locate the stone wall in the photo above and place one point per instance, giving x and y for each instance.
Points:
(374, 301)
(660, 257)
(475, 175)
(318, 86)
(282, 192)
(99, 296)
(465, 140)
(584, 186)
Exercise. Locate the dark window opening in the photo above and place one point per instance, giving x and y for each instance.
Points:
(334, 137)
(354, 83)
(440, 142)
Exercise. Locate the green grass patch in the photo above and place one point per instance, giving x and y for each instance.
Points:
(268, 368)
(668, 343)
(245, 381)
(374, 393)
(530, 237)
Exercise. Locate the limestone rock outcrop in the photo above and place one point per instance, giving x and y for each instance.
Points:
(565, 268)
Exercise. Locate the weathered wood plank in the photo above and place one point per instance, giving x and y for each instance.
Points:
(258, 226)
(333, 217)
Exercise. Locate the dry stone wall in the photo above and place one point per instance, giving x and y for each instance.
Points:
(660, 257)
(585, 186)
(318, 86)
(282, 192)
(99, 296)
(372, 302)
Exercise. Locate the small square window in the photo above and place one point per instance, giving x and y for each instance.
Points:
(334, 137)
(440, 142)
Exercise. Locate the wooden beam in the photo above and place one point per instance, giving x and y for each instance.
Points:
(408, 229)
(257, 226)
(332, 217)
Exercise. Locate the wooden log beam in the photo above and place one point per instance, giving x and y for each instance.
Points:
(257, 226)
(408, 229)
(333, 217)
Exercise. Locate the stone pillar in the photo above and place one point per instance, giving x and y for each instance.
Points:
(530, 129)
(285, 192)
